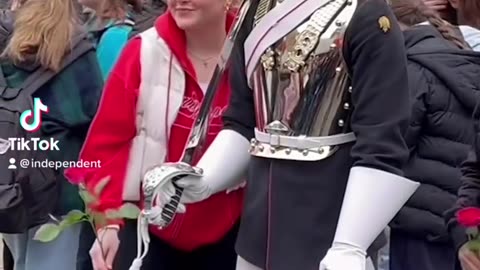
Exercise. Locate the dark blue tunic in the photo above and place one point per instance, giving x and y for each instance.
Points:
(292, 207)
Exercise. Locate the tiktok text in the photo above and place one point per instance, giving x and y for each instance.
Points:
(22, 144)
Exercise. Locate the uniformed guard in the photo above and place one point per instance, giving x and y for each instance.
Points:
(321, 102)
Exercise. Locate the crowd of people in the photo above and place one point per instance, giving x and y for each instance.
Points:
(308, 155)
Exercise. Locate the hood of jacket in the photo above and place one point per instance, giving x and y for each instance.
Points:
(472, 36)
(457, 69)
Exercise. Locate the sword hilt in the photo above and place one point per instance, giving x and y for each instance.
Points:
(170, 209)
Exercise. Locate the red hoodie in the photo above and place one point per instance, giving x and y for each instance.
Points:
(113, 129)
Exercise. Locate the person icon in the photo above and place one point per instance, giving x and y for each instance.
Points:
(12, 165)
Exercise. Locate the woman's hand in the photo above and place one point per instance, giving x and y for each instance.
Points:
(103, 252)
(468, 259)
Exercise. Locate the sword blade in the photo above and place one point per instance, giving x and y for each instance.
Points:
(198, 134)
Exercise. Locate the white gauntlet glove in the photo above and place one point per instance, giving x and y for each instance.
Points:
(372, 198)
(195, 189)
(224, 167)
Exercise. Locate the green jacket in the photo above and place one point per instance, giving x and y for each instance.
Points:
(72, 98)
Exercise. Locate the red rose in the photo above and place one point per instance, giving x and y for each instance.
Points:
(469, 217)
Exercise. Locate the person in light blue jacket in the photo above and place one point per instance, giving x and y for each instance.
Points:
(111, 25)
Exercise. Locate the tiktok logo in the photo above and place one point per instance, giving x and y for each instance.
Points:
(33, 115)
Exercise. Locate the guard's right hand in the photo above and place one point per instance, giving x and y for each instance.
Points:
(109, 243)
(468, 259)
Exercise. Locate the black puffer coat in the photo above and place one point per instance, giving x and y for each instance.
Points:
(445, 86)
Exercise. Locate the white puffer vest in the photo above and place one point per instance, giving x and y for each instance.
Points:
(161, 94)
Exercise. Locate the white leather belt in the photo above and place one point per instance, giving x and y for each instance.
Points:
(303, 142)
(304, 148)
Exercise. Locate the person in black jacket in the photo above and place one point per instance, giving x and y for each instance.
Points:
(468, 196)
(325, 173)
(443, 80)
